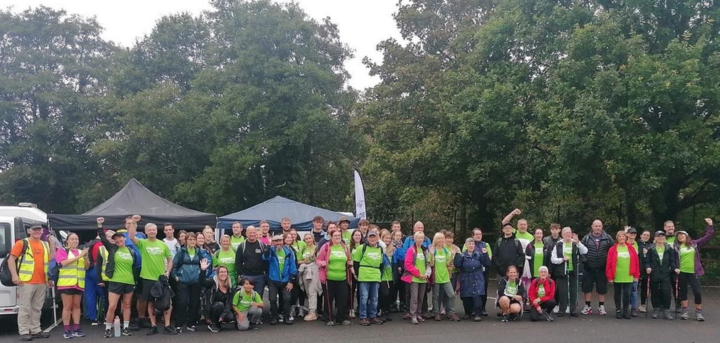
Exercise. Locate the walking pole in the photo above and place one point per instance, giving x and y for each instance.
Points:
(647, 296)
(676, 294)
(567, 273)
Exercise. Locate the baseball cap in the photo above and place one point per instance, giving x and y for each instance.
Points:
(118, 234)
(659, 233)
(372, 233)
(631, 230)
(344, 219)
(277, 238)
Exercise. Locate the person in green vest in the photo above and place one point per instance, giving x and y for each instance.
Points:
(237, 238)
(71, 283)
(368, 260)
(443, 291)
(226, 257)
(660, 264)
(297, 295)
(247, 305)
(669, 228)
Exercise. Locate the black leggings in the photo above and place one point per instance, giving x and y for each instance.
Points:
(188, 302)
(622, 293)
(685, 279)
(484, 296)
(384, 300)
(217, 310)
(395, 291)
(660, 293)
(336, 292)
(642, 288)
(547, 306)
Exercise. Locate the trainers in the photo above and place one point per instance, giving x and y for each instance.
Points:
(289, 321)
(438, 318)
(642, 309)
(152, 331)
(78, 333)
(212, 328)
(41, 334)
(364, 322)
(346, 322)
(626, 314)
(685, 315)
(191, 328)
(169, 331)
(126, 332)
(310, 317)
(274, 321)
(556, 309)
(454, 318)
(586, 310)
(699, 317)
(178, 329)
(618, 314)
(504, 318)
(108, 333)
(668, 316)
(634, 312)
(376, 321)
(25, 338)
(547, 316)
(68, 335)
(601, 310)
(330, 323)
(656, 313)
(477, 319)
(414, 321)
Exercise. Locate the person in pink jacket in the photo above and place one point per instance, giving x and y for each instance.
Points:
(336, 272)
(417, 272)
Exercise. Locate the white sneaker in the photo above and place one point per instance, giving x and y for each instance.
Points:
(567, 310)
(556, 309)
(601, 310)
(586, 310)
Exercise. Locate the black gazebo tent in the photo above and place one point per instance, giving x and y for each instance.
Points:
(134, 198)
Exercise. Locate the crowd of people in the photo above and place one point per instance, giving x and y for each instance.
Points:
(336, 275)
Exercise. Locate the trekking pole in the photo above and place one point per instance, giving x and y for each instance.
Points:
(567, 273)
(676, 293)
(647, 296)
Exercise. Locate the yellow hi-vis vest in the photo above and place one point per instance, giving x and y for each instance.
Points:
(72, 274)
(104, 253)
(27, 265)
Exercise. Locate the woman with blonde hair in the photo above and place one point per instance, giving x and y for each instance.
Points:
(387, 285)
(443, 290)
(417, 273)
(225, 257)
(623, 267)
(309, 280)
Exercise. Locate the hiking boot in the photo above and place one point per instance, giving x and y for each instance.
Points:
(634, 312)
(310, 317)
(618, 314)
(667, 315)
(438, 318)
(453, 318)
(68, 334)
(108, 333)
(601, 310)
(642, 309)
(586, 310)
(169, 331)
(699, 317)
(376, 321)
(685, 315)
(414, 320)
(152, 331)
(548, 316)
(26, 338)
(656, 313)
(330, 323)
(364, 322)
(41, 334)
(126, 332)
(346, 322)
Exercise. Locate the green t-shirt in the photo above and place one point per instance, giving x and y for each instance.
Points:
(281, 262)
(346, 236)
(387, 274)
(479, 249)
(660, 251)
(541, 291)
(442, 275)
(370, 263)
(670, 240)
(567, 252)
(538, 258)
(123, 267)
(191, 252)
(511, 289)
(236, 241)
(524, 235)
(622, 270)
(299, 248)
(227, 260)
(154, 255)
(636, 247)
(420, 264)
(244, 301)
(337, 263)
(687, 259)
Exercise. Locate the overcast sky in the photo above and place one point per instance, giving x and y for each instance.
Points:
(362, 23)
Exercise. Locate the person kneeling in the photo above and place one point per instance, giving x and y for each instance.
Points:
(542, 296)
(247, 303)
(510, 299)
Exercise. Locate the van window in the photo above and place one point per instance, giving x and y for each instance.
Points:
(5, 243)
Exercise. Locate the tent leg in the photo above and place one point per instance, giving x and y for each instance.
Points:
(54, 311)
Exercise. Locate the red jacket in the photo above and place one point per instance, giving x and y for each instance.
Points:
(612, 262)
(549, 290)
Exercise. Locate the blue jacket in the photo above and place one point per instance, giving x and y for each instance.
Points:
(209, 272)
(129, 243)
(186, 268)
(289, 271)
(399, 255)
(410, 241)
(470, 266)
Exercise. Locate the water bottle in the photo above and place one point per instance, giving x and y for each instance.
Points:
(116, 326)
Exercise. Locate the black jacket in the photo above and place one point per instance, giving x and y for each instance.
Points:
(549, 241)
(248, 258)
(530, 253)
(508, 252)
(558, 270)
(112, 249)
(211, 296)
(596, 258)
(502, 284)
(661, 269)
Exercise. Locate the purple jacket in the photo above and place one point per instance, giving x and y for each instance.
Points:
(697, 244)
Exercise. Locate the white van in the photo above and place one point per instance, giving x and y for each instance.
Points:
(14, 223)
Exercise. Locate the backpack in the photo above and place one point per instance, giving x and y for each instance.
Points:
(91, 244)
(241, 247)
(5, 275)
(54, 268)
(425, 252)
(362, 254)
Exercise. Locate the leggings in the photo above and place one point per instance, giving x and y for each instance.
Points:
(622, 294)
(384, 303)
(685, 279)
(643, 290)
(660, 293)
(336, 292)
(547, 306)
(399, 289)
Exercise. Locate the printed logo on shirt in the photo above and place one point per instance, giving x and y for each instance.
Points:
(623, 254)
(154, 250)
(420, 256)
(339, 254)
(258, 251)
(373, 255)
(124, 255)
(227, 260)
(440, 258)
(686, 250)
